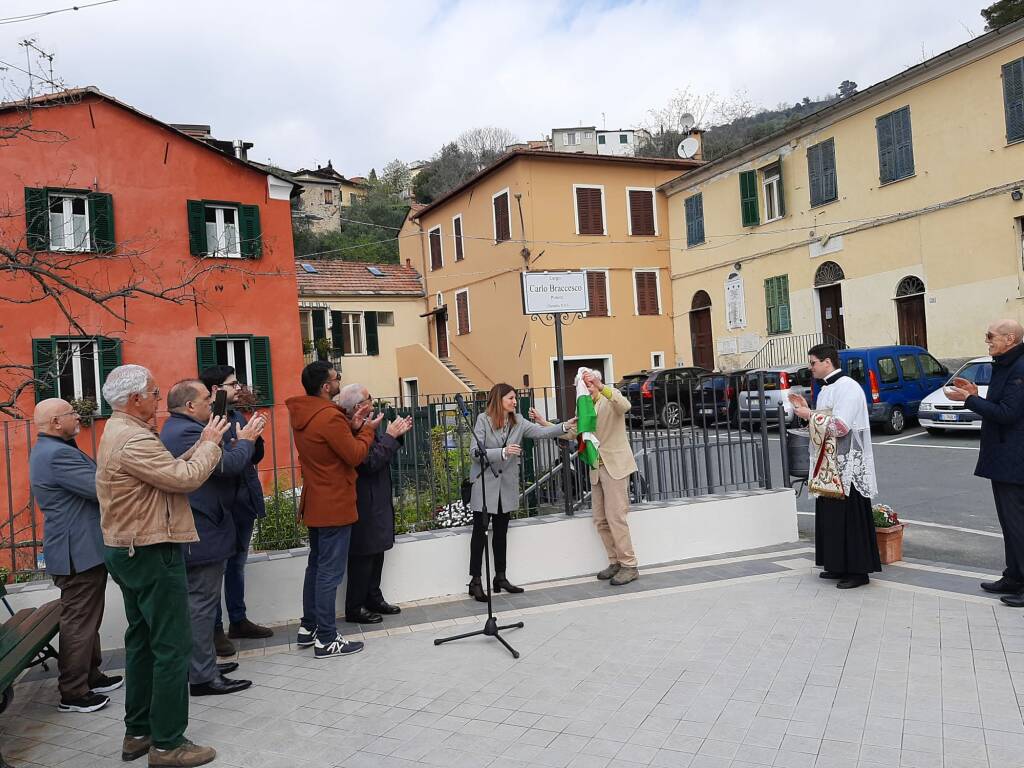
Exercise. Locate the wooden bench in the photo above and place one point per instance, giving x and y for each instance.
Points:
(24, 643)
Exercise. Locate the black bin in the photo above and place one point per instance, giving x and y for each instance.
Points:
(798, 443)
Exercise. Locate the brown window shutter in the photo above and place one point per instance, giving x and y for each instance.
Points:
(646, 293)
(588, 210)
(462, 311)
(597, 291)
(457, 228)
(641, 212)
(502, 231)
(435, 248)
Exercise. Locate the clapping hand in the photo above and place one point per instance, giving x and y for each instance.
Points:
(214, 430)
(361, 414)
(253, 429)
(961, 390)
(800, 406)
(399, 427)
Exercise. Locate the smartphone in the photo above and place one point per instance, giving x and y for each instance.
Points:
(220, 402)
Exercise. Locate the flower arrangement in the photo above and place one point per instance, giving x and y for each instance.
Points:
(453, 515)
(85, 407)
(885, 516)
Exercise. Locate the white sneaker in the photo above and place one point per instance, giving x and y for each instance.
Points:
(337, 647)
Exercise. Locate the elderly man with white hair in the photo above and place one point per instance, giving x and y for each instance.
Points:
(146, 517)
(374, 532)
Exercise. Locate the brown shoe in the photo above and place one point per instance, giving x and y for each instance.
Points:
(184, 755)
(608, 572)
(247, 629)
(624, 576)
(134, 747)
(220, 641)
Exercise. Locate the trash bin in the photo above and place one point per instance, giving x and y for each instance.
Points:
(798, 451)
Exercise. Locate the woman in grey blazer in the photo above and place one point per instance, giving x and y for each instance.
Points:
(501, 434)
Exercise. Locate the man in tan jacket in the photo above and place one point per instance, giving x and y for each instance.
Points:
(146, 518)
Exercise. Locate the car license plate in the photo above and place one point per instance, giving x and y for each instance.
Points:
(948, 417)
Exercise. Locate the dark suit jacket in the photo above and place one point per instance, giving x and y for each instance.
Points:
(250, 503)
(375, 530)
(64, 486)
(1001, 457)
(213, 502)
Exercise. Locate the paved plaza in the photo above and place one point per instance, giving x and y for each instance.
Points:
(744, 660)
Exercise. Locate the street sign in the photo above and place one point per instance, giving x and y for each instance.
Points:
(546, 292)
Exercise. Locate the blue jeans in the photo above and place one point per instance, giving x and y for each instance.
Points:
(234, 576)
(328, 554)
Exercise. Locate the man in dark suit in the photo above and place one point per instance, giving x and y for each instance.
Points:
(189, 402)
(1001, 458)
(64, 486)
(248, 508)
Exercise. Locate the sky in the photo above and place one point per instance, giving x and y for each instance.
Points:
(361, 84)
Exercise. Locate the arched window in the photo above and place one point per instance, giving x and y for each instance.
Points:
(827, 274)
(701, 300)
(909, 286)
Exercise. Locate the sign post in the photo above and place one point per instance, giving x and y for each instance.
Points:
(548, 297)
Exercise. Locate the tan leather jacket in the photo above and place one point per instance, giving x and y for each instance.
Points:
(142, 488)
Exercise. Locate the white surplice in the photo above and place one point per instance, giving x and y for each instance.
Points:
(846, 400)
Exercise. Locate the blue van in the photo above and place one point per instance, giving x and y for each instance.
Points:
(895, 380)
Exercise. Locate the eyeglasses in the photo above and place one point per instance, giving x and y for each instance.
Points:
(154, 393)
(68, 413)
(991, 336)
(233, 384)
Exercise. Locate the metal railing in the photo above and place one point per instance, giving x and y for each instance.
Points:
(688, 441)
(790, 350)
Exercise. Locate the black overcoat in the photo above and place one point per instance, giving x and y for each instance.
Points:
(374, 532)
(1001, 457)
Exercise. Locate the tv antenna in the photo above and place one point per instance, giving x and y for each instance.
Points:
(687, 147)
(686, 122)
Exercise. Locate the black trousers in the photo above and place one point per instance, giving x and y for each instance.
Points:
(1009, 499)
(498, 541)
(364, 572)
(844, 535)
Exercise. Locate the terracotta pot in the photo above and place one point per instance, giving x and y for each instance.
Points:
(890, 543)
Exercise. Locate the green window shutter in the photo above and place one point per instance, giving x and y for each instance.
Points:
(785, 325)
(782, 191)
(370, 323)
(776, 299)
(829, 185)
(769, 303)
(262, 376)
(206, 353)
(101, 221)
(695, 219)
(109, 359)
(814, 176)
(196, 227)
(337, 337)
(37, 219)
(886, 149)
(904, 144)
(1013, 99)
(319, 325)
(44, 353)
(249, 229)
(748, 199)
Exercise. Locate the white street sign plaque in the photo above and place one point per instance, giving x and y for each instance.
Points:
(555, 292)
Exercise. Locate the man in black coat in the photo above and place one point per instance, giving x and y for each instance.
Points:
(374, 533)
(190, 405)
(1001, 458)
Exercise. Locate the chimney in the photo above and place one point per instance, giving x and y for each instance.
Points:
(408, 262)
(698, 134)
(239, 148)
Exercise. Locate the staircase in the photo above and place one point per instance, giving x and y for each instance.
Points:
(457, 373)
(779, 351)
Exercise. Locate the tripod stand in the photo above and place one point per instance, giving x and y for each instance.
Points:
(491, 628)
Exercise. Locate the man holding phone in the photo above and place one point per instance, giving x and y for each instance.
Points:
(249, 506)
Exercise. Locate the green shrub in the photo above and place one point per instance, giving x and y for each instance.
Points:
(280, 529)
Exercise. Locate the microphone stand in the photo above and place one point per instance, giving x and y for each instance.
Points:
(491, 628)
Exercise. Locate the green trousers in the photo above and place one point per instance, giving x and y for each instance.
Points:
(158, 641)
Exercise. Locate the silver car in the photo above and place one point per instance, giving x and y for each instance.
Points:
(779, 384)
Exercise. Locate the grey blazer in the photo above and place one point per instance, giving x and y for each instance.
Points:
(508, 469)
(64, 485)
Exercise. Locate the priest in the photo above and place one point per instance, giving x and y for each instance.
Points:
(842, 473)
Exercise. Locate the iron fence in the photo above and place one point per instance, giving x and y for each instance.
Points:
(688, 440)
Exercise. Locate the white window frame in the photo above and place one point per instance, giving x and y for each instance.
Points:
(237, 253)
(381, 323)
(657, 286)
(75, 361)
(576, 208)
(362, 333)
(629, 209)
(494, 217)
(439, 300)
(462, 237)
(607, 285)
(69, 222)
(230, 346)
(469, 314)
(588, 135)
(623, 136)
(306, 324)
(654, 362)
(406, 395)
(571, 138)
(773, 183)
(440, 244)
(609, 368)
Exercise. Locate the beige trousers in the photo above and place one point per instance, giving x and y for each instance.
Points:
(610, 502)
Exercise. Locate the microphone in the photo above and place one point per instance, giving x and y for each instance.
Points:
(460, 401)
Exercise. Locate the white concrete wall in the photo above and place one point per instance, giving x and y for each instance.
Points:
(434, 564)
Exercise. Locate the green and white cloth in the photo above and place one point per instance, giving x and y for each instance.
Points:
(586, 426)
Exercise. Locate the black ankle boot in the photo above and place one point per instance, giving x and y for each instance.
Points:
(500, 583)
(476, 590)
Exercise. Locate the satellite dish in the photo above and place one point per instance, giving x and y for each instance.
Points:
(688, 147)
(686, 122)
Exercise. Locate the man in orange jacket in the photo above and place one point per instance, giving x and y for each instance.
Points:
(330, 448)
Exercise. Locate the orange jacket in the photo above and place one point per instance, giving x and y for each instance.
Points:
(329, 453)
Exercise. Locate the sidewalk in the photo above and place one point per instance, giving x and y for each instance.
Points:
(747, 659)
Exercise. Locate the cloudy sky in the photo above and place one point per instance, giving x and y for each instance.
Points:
(363, 83)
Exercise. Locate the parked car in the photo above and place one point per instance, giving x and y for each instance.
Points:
(779, 384)
(716, 401)
(895, 380)
(662, 395)
(938, 413)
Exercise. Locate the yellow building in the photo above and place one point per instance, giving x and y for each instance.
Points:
(893, 215)
(542, 210)
(357, 315)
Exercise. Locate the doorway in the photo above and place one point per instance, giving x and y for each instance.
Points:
(827, 279)
(572, 367)
(910, 312)
(441, 328)
(701, 339)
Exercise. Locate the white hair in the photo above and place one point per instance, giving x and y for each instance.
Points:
(125, 381)
(596, 373)
(350, 396)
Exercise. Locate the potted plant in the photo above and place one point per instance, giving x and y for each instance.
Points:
(889, 532)
(307, 346)
(85, 407)
(323, 348)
